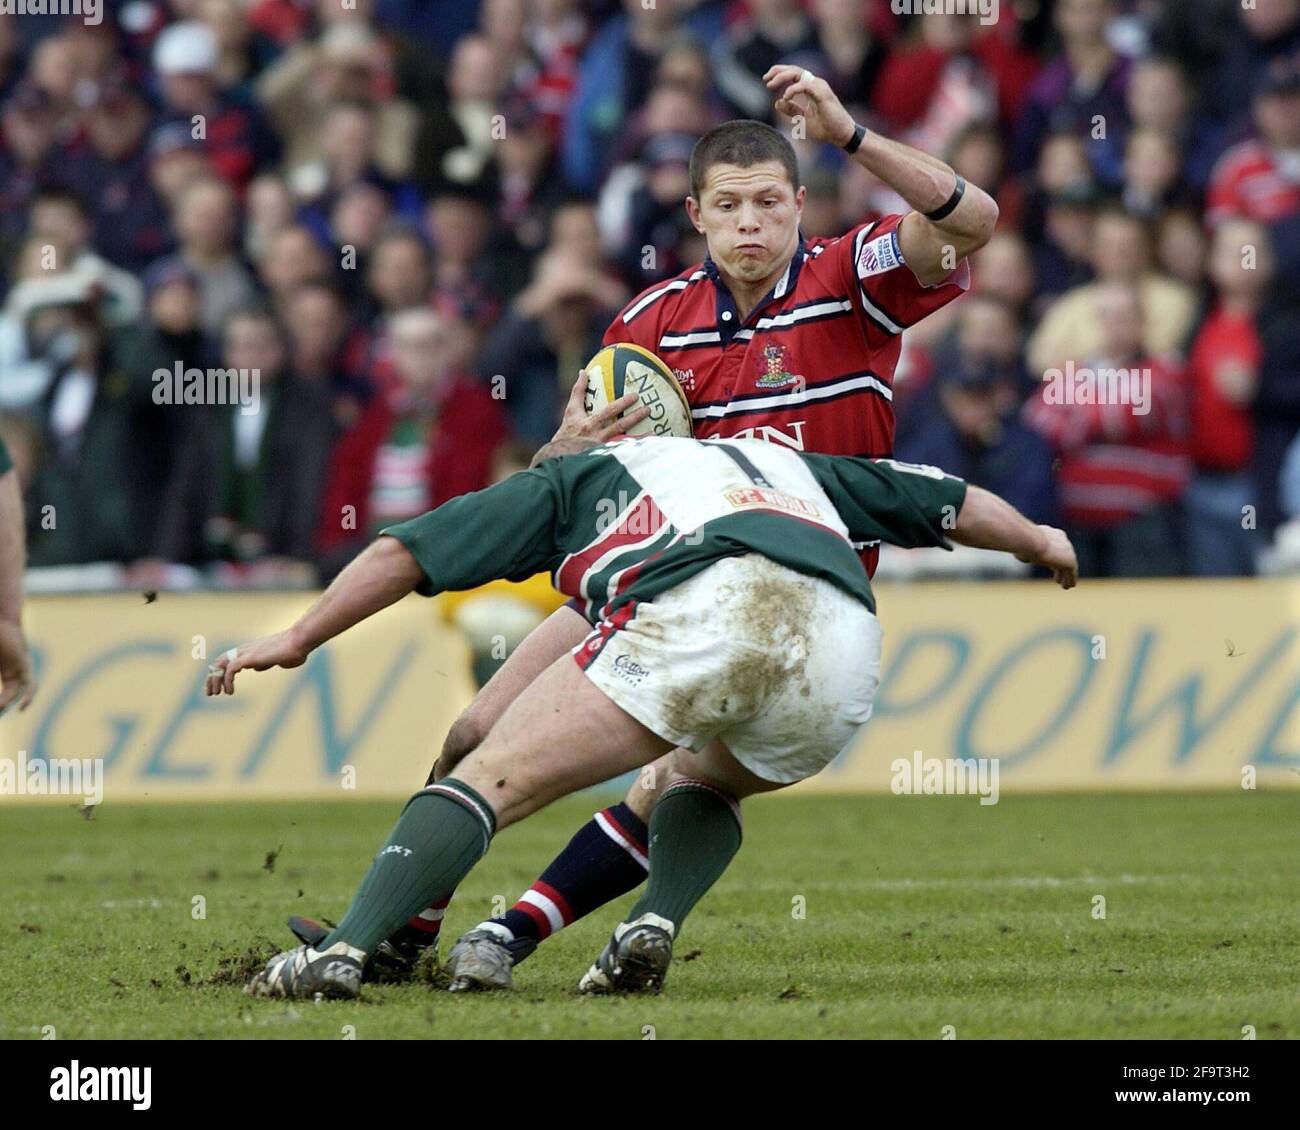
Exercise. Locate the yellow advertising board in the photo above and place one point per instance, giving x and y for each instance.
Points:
(1140, 684)
(122, 681)
(1119, 684)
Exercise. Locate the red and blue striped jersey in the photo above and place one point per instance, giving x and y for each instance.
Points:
(812, 367)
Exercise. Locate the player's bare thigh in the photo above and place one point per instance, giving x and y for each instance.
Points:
(644, 792)
(715, 765)
(561, 734)
(555, 636)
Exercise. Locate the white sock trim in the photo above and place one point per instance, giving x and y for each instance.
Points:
(499, 929)
(606, 826)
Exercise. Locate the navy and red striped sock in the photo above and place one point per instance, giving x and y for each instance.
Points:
(422, 931)
(605, 859)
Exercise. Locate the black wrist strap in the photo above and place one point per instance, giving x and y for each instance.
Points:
(948, 205)
(859, 132)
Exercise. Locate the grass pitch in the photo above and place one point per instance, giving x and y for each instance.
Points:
(841, 917)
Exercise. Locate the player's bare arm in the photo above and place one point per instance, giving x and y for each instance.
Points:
(931, 247)
(18, 682)
(989, 522)
(380, 576)
(565, 445)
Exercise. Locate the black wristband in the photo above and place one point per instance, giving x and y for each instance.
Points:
(948, 205)
(859, 132)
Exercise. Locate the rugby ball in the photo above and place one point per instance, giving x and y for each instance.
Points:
(619, 369)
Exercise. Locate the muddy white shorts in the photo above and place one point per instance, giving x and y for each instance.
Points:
(782, 668)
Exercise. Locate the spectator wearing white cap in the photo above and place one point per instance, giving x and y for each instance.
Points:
(230, 128)
(184, 53)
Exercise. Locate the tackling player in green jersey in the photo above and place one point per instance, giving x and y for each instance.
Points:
(731, 621)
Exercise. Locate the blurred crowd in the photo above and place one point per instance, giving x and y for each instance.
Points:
(416, 218)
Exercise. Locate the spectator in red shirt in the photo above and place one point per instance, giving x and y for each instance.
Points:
(1118, 425)
(1259, 179)
(1222, 371)
(955, 71)
(282, 22)
(428, 436)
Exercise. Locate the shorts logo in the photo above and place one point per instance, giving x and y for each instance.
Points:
(879, 255)
(627, 669)
(775, 371)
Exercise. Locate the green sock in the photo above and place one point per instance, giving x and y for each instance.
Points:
(694, 832)
(443, 831)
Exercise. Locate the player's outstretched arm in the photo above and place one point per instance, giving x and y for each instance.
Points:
(505, 530)
(989, 522)
(945, 224)
(380, 576)
(19, 685)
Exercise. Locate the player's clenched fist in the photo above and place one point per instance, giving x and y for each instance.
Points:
(800, 93)
(16, 677)
(1056, 554)
(279, 650)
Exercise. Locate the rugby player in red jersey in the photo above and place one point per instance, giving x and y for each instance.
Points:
(772, 337)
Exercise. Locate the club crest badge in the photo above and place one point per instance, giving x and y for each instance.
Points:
(776, 372)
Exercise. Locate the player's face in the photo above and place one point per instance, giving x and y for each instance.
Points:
(750, 218)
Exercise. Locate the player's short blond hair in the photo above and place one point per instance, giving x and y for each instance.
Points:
(743, 142)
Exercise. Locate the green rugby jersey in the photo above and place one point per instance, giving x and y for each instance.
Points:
(624, 522)
(6, 464)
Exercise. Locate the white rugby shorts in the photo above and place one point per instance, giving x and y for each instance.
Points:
(781, 667)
